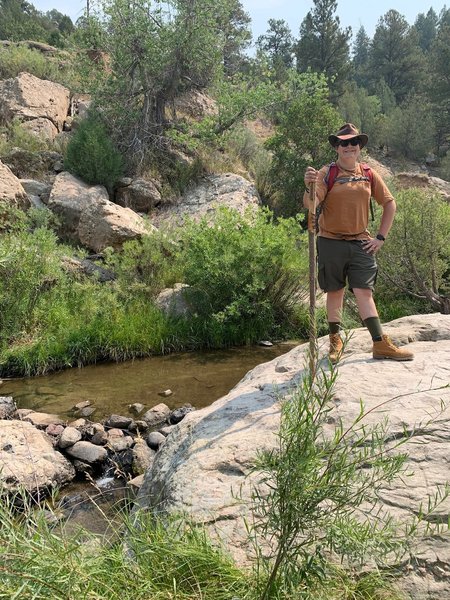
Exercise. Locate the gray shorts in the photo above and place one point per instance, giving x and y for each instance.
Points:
(342, 261)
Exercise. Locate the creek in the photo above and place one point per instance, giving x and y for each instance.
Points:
(198, 378)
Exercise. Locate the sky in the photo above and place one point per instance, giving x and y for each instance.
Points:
(350, 12)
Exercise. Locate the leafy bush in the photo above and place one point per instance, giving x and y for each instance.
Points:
(29, 267)
(18, 59)
(92, 156)
(416, 258)
(244, 268)
(301, 139)
(14, 135)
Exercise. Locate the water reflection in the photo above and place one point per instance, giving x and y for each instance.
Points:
(198, 378)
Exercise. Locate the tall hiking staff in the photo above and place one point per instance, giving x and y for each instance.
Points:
(313, 351)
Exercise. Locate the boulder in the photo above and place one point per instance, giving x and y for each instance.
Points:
(196, 105)
(155, 440)
(118, 421)
(87, 452)
(214, 191)
(42, 420)
(174, 301)
(143, 457)
(36, 188)
(41, 128)
(28, 459)
(104, 224)
(178, 414)
(208, 456)
(157, 415)
(141, 195)
(69, 437)
(28, 97)
(11, 190)
(422, 180)
(69, 199)
(84, 266)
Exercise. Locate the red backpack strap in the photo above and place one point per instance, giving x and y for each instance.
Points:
(331, 175)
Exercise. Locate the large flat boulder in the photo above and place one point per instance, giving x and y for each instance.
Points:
(28, 459)
(27, 97)
(206, 458)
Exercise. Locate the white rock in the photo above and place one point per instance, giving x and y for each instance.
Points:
(207, 456)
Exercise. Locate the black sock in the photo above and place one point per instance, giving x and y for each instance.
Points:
(334, 326)
(373, 324)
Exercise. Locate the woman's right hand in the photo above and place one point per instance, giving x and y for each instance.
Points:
(310, 176)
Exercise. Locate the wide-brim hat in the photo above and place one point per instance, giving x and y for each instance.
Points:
(347, 132)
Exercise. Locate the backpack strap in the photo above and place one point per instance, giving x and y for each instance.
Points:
(331, 175)
(368, 173)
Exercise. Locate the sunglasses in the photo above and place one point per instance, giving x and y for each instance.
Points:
(352, 142)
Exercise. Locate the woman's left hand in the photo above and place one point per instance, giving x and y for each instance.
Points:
(372, 245)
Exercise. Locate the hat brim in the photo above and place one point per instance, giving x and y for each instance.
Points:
(334, 139)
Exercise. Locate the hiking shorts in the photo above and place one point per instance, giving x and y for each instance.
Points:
(345, 261)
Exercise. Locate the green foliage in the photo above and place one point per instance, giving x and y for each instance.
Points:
(416, 258)
(22, 21)
(410, 128)
(323, 46)
(92, 156)
(244, 268)
(278, 45)
(358, 107)
(14, 135)
(396, 56)
(29, 267)
(301, 139)
(38, 562)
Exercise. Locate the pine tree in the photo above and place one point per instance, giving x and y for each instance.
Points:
(396, 56)
(323, 46)
(426, 27)
(277, 45)
(361, 50)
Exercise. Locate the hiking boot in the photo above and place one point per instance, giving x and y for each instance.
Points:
(336, 347)
(386, 349)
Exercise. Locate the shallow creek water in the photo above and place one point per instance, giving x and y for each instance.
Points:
(199, 378)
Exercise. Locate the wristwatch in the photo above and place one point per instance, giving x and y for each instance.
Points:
(380, 237)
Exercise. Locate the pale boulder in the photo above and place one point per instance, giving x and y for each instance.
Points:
(208, 456)
(28, 459)
(28, 97)
(105, 224)
(141, 195)
(213, 192)
(41, 128)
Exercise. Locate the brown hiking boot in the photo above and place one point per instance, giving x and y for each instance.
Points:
(336, 347)
(386, 349)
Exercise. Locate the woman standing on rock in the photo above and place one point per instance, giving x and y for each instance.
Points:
(346, 250)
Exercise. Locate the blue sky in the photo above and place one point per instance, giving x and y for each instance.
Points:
(350, 12)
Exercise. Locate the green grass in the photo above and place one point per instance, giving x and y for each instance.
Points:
(144, 558)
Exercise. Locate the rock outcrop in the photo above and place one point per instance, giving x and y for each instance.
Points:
(88, 217)
(206, 458)
(27, 97)
(141, 195)
(226, 190)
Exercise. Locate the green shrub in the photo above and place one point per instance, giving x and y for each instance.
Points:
(18, 59)
(29, 267)
(14, 135)
(245, 268)
(92, 156)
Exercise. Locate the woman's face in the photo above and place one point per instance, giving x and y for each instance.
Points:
(348, 153)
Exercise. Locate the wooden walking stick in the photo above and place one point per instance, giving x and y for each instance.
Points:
(312, 280)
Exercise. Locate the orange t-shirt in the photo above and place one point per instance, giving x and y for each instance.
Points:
(345, 208)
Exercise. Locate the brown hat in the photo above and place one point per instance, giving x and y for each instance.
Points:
(347, 132)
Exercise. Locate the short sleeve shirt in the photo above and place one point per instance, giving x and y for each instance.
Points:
(345, 208)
